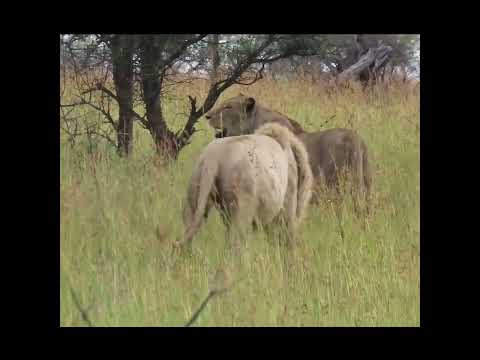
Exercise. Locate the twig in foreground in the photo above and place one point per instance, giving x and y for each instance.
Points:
(79, 307)
(194, 317)
(222, 283)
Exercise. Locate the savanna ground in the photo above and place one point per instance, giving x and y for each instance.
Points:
(119, 218)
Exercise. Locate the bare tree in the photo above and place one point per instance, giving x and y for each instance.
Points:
(83, 59)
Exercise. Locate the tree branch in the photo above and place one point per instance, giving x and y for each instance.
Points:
(258, 76)
(101, 87)
(217, 88)
(107, 115)
(181, 49)
(133, 113)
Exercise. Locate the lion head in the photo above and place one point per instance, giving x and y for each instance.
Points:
(231, 117)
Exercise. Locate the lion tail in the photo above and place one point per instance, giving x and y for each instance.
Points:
(305, 177)
(199, 190)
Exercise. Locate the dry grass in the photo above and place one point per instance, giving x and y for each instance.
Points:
(117, 227)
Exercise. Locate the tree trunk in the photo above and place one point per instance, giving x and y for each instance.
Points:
(122, 60)
(152, 84)
(214, 57)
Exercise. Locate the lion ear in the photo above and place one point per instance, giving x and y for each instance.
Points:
(250, 103)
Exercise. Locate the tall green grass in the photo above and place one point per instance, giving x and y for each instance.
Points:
(120, 216)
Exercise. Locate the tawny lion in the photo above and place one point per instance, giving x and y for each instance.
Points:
(330, 151)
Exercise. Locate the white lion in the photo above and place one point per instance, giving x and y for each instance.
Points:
(250, 179)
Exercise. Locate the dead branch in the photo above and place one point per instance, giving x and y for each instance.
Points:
(133, 113)
(221, 284)
(372, 60)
